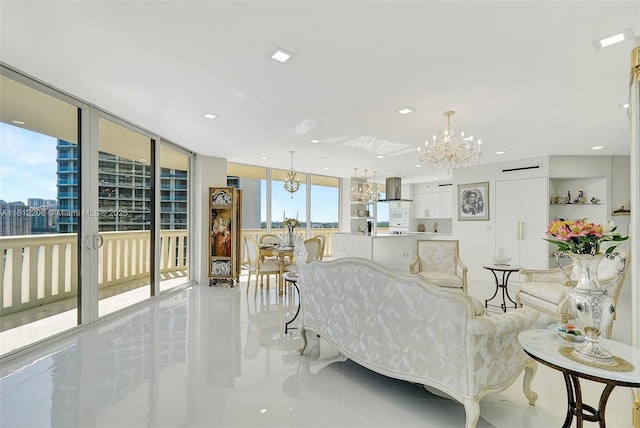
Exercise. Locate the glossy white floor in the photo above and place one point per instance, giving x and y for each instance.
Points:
(215, 357)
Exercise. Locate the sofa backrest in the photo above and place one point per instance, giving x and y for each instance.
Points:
(376, 315)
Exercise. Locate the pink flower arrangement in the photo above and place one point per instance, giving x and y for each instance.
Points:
(582, 237)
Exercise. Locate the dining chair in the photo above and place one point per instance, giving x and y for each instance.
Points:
(323, 241)
(257, 266)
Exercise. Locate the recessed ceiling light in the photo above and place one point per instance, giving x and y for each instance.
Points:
(282, 55)
(612, 39)
(380, 156)
(418, 166)
(263, 411)
(314, 141)
(597, 148)
(18, 122)
(263, 157)
(500, 152)
(210, 115)
(325, 168)
(623, 106)
(405, 110)
(143, 160)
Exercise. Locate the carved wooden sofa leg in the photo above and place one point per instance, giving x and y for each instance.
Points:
(529, 373)
(472, 409)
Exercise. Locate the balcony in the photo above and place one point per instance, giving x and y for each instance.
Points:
(38, 277)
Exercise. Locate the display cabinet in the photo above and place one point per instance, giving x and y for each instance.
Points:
(225, 229)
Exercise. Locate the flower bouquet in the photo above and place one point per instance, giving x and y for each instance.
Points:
(290, 223)
(582, 237)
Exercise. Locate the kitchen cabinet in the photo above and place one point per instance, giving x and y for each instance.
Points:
(521, 220)
(438, 204)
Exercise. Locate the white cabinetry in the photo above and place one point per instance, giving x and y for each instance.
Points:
(521, 219)
(433, 203)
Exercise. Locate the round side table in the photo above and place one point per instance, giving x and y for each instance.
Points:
(506, 271)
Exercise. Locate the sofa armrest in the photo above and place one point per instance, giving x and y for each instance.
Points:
(414, 266)
(558, 275)
(494, 355)
(499, 325)
(461, 268)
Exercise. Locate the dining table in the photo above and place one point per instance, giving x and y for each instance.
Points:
(281, 252)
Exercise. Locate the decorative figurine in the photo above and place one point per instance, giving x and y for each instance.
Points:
(580, 199)
(595, 201)
(568, 196)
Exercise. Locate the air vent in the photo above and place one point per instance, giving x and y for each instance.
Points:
(522, 168)
(445, 185)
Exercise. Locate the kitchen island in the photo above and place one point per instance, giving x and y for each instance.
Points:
(393, 251)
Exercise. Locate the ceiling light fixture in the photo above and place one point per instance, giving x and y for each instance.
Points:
(282, 55)
(18, 122)
(500, 152)
(613, 39)
(405, 110)
(291, 181)
(361, 191)
(380, 156)
(314, 141)
(450, 152)
(623, 106)
(597, 148)
(210, 115)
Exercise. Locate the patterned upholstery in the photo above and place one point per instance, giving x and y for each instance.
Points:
(547, 290)
(400, 326)
(438, 262)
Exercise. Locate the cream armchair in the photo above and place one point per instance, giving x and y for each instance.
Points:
(438, 262)
(547, 290)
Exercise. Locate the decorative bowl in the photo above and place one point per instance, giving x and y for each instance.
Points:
(568, 332)
(501, 260)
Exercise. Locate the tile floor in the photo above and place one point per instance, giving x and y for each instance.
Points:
(215, 357)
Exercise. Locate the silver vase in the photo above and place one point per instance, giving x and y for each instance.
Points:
(592, 307)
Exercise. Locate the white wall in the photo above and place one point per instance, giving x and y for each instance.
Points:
(477, 238)
(208, 172)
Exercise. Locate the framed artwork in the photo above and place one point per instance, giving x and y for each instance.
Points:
(473, 201)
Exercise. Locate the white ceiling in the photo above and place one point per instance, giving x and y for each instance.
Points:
(523, 76)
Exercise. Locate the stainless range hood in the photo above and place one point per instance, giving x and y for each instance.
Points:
(394, 190)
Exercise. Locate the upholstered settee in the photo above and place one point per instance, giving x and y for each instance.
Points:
(400, 326)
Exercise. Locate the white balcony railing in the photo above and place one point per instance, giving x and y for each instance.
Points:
(40, 269)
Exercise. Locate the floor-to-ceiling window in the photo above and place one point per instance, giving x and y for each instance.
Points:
(125, 211)
(39, 145)
(324, 208)
(285, 204)
(93, 212)
(174, 216)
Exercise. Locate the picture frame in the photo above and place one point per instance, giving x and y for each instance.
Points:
(473, 201)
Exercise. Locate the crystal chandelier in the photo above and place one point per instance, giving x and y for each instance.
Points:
(450, 152)
(291, 181)
(361, 191)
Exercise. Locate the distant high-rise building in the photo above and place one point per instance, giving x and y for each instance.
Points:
(15, 219)
(124, 193)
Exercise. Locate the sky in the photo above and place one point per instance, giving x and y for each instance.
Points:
(27, 164)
